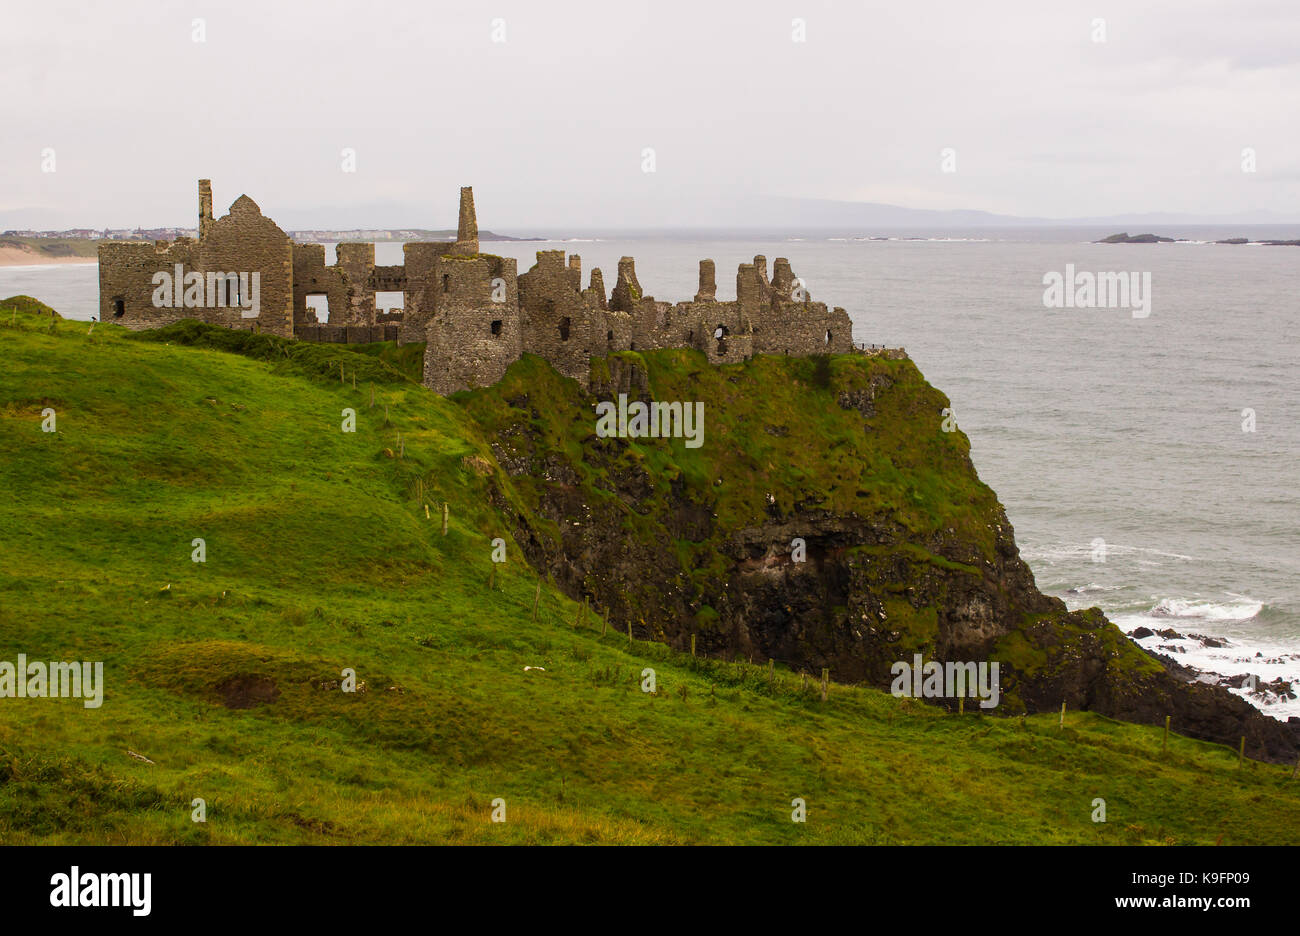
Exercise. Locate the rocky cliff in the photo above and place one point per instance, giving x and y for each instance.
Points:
(830, 518)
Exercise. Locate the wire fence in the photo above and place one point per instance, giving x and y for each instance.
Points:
(762, 673)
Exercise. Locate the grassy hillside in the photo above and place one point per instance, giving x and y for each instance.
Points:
(320, 556)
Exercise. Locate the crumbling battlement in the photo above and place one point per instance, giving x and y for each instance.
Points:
(474, 311)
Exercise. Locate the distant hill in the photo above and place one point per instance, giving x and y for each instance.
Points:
(30, 251)
(393, 234)
(829, 213)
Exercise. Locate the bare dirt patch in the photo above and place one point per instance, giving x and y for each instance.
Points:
(247, 690)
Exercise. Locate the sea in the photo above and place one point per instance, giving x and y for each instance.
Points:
(1148, 462)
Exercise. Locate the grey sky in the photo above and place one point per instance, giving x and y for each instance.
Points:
(549, 126)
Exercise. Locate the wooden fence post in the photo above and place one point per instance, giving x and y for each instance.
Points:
(537, 598)
(1164, 744)
(692, 645)
(1241, 751)
(826, 675)
(771, 673)
(1062, 725)
(445, 511)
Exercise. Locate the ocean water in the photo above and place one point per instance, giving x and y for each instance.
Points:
(1116, 443)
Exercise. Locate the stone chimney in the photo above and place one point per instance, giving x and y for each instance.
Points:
(782, 278)
(467, 232)
(205, 207)
(627, 291)
(598, 288)
(760, 267)
(708, 283)
(749, 288)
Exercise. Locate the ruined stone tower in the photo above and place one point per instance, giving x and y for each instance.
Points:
(467, 306)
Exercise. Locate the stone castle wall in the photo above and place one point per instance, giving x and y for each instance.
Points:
(346, 334)
(244, 241)
(475, 312)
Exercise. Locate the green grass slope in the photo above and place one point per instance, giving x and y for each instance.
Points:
(321, 555)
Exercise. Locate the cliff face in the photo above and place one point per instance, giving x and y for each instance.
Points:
(903, 550)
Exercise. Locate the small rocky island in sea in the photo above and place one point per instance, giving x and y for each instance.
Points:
(1126, 238)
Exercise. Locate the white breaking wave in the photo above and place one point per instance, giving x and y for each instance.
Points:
(1206, 610)
(1264, 660)
(1085, 550)
(1092, 587)
(1200, 624)
(919, 240)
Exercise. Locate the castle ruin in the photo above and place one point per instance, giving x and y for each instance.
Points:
(475, 313)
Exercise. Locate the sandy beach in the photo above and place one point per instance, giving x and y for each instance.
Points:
(22, 256)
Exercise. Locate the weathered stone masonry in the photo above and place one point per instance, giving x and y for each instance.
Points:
(474, 311)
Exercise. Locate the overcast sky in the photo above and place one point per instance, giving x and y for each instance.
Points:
(550, 125)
